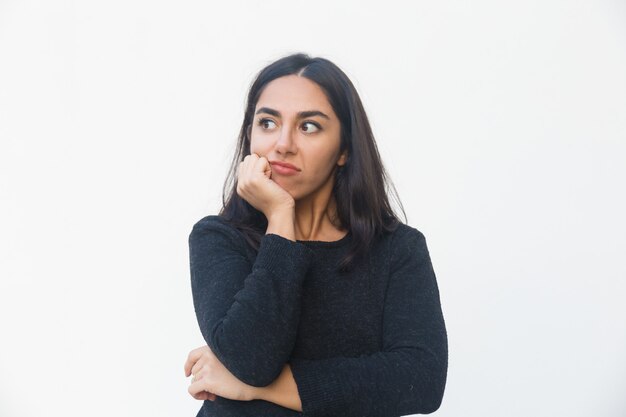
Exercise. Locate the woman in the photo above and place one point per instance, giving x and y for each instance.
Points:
(313, 298)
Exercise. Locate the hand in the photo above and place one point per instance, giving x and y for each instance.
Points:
(211, 378)
(254, 184)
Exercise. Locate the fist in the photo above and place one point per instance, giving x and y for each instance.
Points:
(255, 185)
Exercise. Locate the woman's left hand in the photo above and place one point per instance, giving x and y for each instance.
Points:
(211, 378)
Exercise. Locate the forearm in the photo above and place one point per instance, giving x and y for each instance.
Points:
(283, 391)
(404, 381)
(250, 320)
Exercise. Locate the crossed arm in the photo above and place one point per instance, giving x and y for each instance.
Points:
(406, 377)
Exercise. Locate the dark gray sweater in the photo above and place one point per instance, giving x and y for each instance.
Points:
(371, 342)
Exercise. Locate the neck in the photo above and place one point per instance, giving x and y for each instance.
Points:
(316, 216)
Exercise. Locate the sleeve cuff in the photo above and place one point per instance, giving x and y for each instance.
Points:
(320, 392)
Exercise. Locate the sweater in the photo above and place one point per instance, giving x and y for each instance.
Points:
(368, 342)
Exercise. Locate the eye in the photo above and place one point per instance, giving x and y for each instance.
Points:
(312, 127)
(266, 123)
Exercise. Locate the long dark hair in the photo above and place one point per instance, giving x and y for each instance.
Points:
(361, 184)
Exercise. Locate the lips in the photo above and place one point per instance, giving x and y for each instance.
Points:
(284, 164)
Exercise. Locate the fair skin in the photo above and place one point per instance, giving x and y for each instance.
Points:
(293, 123)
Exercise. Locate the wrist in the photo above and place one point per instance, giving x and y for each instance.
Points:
(281, 212)
(282, 391)
(268, 392)
(282, 222)
(259, 393)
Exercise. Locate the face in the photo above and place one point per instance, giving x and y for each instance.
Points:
(294, 123)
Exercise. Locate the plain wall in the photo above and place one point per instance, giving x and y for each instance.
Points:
(502, 125)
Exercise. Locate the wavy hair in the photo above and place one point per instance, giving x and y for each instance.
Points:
(360, 186)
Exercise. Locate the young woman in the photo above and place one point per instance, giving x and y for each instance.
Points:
(313, 297)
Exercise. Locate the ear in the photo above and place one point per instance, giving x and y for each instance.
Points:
(343, 158)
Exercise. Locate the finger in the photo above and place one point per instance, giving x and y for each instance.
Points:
(198, 392)
(188, 365)
(197, 367)
(253, 159)
(195, 389)
(202, 396)
(249, 159)
(205, 396)
(268, 170)
(192, 358)
(244, 168)
(260, 165)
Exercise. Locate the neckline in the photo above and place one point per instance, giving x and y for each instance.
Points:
(327, 243)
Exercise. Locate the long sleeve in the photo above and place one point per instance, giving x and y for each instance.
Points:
(409, 375)
(248, 314)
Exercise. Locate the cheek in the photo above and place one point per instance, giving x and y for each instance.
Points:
(318, 171)
(258, 145)
(254, 145)
(324, 160)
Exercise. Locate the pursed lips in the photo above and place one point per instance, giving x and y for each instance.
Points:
(285, 164)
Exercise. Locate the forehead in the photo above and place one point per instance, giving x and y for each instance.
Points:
(292, 93)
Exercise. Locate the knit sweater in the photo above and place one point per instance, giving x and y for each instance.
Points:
(369, 342)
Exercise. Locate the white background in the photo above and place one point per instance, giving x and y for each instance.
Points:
(502, 124)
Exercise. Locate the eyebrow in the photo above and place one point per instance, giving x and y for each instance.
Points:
(300, 115)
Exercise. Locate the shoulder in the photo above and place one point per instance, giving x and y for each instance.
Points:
(210, 222)
(405, 234)
(215, 229)
(407, 242)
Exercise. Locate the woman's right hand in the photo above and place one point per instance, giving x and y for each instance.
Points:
(254, 184)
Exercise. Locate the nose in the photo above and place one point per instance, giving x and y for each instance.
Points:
(286, 141)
